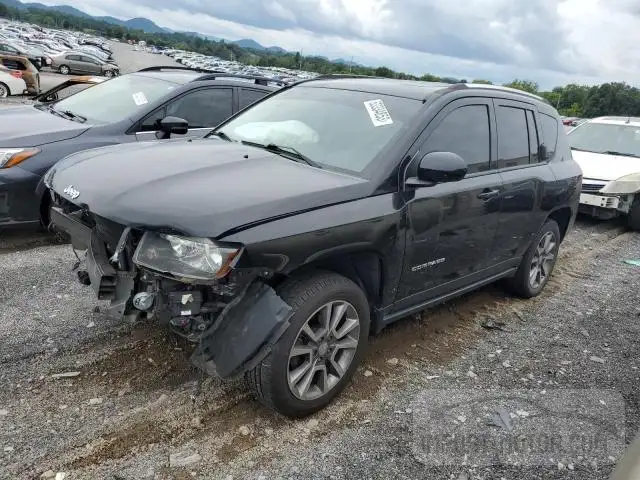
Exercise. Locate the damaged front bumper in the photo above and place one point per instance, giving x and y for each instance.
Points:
(234, 321)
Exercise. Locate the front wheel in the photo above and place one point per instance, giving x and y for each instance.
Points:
(319, 353)
(108, 73)
(538, 262)
(64, 69)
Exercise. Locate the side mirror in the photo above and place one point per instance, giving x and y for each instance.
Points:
(439, 167)
(169, 125)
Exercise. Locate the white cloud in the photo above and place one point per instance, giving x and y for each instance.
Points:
(549, 41)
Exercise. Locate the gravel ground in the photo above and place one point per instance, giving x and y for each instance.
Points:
(132, 406)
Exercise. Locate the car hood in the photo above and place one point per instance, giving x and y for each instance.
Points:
(199, 187)
(26, 126)
(600, 166)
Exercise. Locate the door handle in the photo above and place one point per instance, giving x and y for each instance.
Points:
(487, 194)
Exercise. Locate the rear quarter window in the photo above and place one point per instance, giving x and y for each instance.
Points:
(550, 132)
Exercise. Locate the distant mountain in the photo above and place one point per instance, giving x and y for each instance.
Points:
(348, 63)
(276, 49)
(144, 24)
(248, 43)
(135, 23)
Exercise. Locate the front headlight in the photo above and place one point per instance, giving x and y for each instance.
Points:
(623, 185)
(185, 257)
(13, 156)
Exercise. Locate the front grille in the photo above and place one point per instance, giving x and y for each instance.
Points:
(592, 187)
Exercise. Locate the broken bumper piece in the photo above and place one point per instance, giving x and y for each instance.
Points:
(244, 333)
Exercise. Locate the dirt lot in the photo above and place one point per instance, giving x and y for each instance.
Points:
(96, 399)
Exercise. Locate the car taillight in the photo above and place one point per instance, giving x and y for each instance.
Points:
(16, 73)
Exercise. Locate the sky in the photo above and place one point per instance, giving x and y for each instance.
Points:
(552, 42)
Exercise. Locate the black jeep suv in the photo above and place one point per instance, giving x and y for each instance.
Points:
(318, 215)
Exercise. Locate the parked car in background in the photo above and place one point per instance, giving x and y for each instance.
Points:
(28, 72)
(13, 48)
(147, 105)
(608, 151)
(11, 83)
(68, 87)
(78, 62)
(323, 212)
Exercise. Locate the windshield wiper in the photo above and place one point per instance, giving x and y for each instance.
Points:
(74, 116)
(285, 151)
(582, 150)
(222, 135)
(68, 115)
(620, 154)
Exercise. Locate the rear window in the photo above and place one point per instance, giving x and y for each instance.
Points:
(550, 132)
(13, 64)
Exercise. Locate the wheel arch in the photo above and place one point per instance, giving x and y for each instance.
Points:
(562, 217)
(365, 267)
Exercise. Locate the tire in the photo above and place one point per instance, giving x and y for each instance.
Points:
(633, 217)
(523, 284)
(108, 73)
(270, 381)
(4, 90)
(64, 69)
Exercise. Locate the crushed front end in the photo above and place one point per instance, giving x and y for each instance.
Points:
(204, 291)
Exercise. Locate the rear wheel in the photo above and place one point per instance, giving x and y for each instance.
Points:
(317, 356)
(4, 90)
(64, 69)
(538, 262)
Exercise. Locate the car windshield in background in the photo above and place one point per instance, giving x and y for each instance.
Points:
(337, 128)
(606, 138)
(116, 99)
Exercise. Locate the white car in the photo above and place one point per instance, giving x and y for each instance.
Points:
(11, 83)
(608, 151)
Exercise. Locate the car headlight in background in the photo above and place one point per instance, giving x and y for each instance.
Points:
(13, 156)
(185, 257)
(623, 185)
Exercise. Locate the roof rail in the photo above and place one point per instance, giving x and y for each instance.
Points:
(329, 76)
(507, 90)
(157, 68)
(258, 80)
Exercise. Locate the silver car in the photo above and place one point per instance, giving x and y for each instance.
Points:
(80, 62)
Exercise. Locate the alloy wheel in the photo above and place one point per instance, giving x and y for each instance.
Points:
(543, 260)
(323, 350)
(64, 70)
(4, 93)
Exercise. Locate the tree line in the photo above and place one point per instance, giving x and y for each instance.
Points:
(574, 100)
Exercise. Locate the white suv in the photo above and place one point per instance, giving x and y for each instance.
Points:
(608, 151)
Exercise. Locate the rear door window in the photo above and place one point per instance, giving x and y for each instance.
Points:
(513, 137)
(249, 96)
(550, 132)
(533, 137)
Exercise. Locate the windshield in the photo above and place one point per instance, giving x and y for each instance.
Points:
(115, 99)
(606, 138)
(338, 128)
